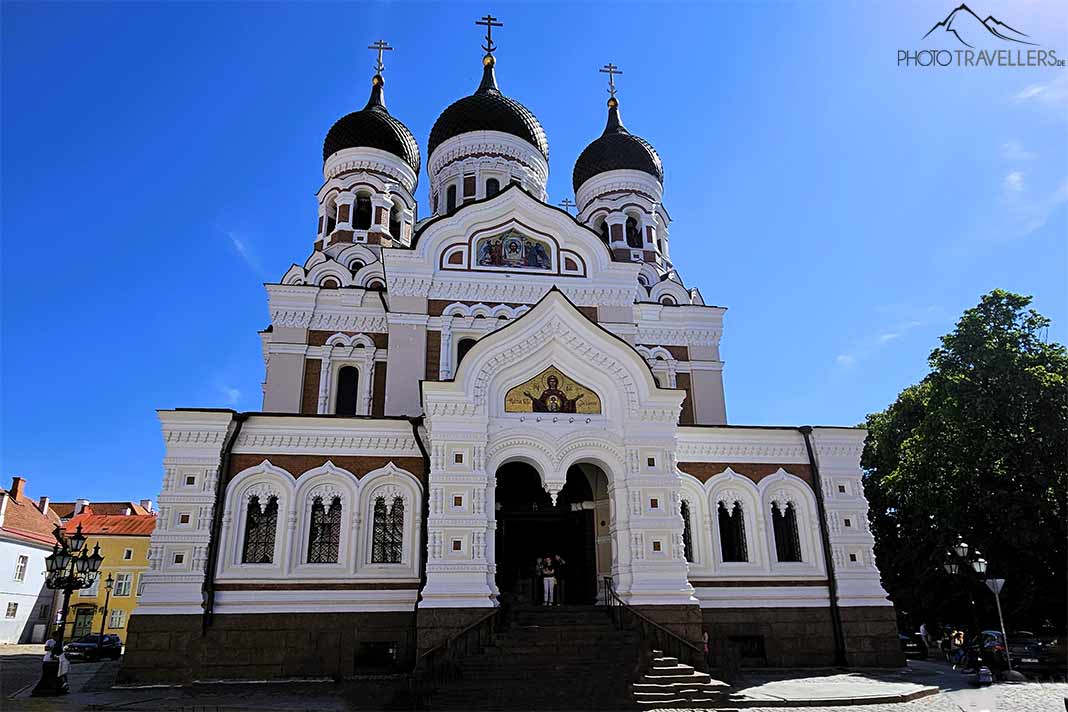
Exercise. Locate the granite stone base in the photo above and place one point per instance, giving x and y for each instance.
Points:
(803, 637)
(172, 649)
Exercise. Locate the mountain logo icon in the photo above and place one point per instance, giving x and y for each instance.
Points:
(969, 30)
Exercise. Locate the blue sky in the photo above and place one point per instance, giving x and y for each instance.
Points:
(160, 163)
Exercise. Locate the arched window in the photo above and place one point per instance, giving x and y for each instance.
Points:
(634, 233)
(260, 525)
(687, 535)
(394, 224)
(329, 283)
(325, 534)
(348, 378)
(463, 347)
(376, 285)
(493, 186)
(450, 199)
(668, 300)
(732, 532)
(331, 221)
(787, 541)
(387, 539)
(361, 220)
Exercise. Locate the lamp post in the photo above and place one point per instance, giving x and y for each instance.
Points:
(69, 567)
(957, 558)
(108, 585)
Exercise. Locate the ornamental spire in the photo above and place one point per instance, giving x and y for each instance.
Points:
(614, 124)
(378, 99)
(489, 79)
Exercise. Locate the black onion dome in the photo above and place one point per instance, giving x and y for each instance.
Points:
(488, 110)
(373, 127)
(616, 149)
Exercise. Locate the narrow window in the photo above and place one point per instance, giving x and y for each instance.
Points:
(493, 186)
(394, 223)
(687, 536)
(123, 583)
(362, 219)
(732, 532)
(325, 536)
(634, 234)
(347, 380)
(463, 347)
(260, 525)
(331, 223)
(20, 567)
(387, 539)
(12, 610)
(787, 542)
(450, 199)
(604, 231)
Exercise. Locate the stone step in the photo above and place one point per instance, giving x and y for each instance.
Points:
(711, 687)
(676, 677)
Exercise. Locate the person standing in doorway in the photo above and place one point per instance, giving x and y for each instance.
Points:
(548, 574)
(561, 576)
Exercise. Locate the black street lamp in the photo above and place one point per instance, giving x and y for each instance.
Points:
(109, 583)
(70, 567)
(957, 558)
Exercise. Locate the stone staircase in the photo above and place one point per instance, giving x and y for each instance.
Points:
(670, 683)
(559, 658)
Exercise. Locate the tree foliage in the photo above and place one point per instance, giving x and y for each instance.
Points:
(978, 449)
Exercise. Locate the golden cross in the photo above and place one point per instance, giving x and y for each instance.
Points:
(380, 46)
(611, 70)
(489, 21)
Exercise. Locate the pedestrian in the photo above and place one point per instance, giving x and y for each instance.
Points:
(561, 577)
(539, 579)
(707, 649)
(549, 580)
(923, 635)
(61, 663)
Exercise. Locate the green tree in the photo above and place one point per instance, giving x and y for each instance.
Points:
(978, 449)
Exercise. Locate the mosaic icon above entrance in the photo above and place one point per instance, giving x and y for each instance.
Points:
(513, 249)
(551, 392)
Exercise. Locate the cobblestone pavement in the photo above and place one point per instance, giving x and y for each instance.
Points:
(1025, 697)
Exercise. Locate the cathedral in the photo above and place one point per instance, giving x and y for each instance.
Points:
(453, 391)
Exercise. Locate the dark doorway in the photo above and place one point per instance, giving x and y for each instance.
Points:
(530, 527)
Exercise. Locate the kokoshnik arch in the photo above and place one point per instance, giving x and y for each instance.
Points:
(441, 391)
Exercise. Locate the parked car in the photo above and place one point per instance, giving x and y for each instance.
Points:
(913, 645)
(1036, 655)
(94, 647)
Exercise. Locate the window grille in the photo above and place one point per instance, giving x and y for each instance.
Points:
(260, 525)
(687, 536)
(324, 538)
(732, 532)
(787, 541)
(387, 540)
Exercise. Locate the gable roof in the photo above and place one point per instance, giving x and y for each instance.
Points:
(24, 520)
(66, 509)
(112, 524)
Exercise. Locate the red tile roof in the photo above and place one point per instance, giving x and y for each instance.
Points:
(66, 509)
(23, 520)
(112, 524)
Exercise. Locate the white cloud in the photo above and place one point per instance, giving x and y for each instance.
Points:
(870, 346)
(1013, 151)
(231, 395)
(1014, 182)
(1053, 92)
(244, 250)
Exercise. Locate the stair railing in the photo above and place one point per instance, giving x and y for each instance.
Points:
(441, 664)
(652, 634)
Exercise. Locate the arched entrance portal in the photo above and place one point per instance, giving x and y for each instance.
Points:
(530, 527)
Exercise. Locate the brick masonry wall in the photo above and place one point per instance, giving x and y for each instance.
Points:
(433, 355)
(754, 471)
(309, 399)
(682, 381)
(169, 649)
(378, 390)
(297, 465)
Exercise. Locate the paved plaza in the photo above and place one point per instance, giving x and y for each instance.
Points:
(771, 691)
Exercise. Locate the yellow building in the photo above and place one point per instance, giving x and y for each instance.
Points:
(123, 541)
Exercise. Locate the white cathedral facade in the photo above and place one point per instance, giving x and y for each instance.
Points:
(448, 397)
